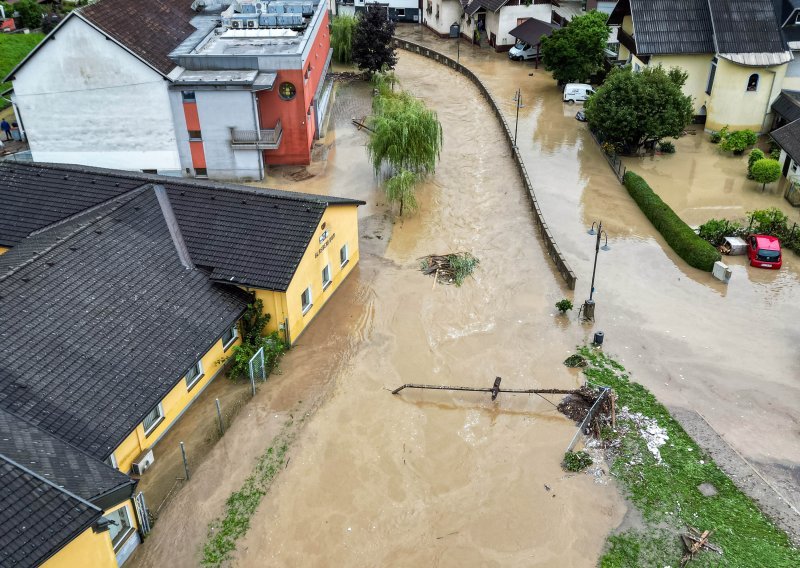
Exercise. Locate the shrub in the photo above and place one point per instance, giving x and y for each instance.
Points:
(754, 156)
(683, 240)
(576, 461)
(715, 230)
(716, 137)
(342, 29)
(666, 147)
(765, 171)
(564, 305)
(738, 141)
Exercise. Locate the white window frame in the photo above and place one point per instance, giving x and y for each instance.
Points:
(112, 461)
(346, 250)
(235, 330)
(123, 536)
(329, 281)
(194, 379)
(160, 408)
(310, 304)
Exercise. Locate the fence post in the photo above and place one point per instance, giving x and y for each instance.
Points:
(185, 462)
(219, 416)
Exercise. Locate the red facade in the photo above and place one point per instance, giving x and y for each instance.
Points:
(296, 115)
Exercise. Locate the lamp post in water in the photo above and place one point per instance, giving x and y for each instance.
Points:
(517, 99)
(588, 306)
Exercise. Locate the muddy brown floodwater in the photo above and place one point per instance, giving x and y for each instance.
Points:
(728, 352)
(430, 478)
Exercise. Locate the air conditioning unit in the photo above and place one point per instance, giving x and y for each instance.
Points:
(145, 460)
(235, 24)
(251, 23)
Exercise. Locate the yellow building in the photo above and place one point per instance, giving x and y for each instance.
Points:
(736, 63)
(122, 294)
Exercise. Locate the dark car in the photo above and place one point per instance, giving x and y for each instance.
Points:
(581, 116)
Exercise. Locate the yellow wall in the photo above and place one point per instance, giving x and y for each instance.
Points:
(341, 223)
(174, 403)
(730, 102)
(90, 548)
(698, 67)
(3, 249)
(627, 26)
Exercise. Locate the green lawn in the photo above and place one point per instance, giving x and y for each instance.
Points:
(13, 49)
(666, 493)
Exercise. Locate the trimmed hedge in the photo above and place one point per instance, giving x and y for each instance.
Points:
(683, 240)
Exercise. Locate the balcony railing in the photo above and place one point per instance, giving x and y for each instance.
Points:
(626, 40)
(269, 139)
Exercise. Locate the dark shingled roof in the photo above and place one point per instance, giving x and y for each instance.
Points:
(37, 518)
(532, 30)
(788, 138)
(492, 5)
(254, 237)
(149, 28)
(57, 461)
(98, 329)
(787, 105)
(746, 26)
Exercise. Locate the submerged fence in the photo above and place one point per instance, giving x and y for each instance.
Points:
(547, 236)
(612, 158)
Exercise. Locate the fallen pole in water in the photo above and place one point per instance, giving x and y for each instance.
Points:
(495, 389)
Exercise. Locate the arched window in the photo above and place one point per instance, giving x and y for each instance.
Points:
(752, 82)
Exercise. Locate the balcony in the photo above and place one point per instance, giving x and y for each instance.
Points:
(257, 139)
(626, 40)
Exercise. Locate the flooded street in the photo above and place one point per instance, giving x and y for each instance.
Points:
(728, 352)
(433, 478)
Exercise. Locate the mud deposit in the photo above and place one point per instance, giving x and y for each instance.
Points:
(432, 478)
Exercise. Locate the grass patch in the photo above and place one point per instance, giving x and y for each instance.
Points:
(667, 493)
(13, 49)
(223, 532)
(683, 240)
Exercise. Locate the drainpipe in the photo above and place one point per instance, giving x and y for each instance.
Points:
(258, 129)
(769, 98)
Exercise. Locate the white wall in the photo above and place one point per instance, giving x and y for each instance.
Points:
(510, 14)
(85, 100)
(218, 112)
(449, 13)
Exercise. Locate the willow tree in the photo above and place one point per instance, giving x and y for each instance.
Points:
(342, 29)
(405, 143)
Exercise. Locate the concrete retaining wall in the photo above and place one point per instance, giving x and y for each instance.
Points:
(547, 237)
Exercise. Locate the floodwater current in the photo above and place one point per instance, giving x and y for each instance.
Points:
(430, 478)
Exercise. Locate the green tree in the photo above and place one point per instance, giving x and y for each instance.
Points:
(754, 156)
(766, 171)
(30, 13)
(405, 140)
(372, 41)
(632, 109)
(577, 51)
(342, 30)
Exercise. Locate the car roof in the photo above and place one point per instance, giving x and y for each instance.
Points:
(768, 242)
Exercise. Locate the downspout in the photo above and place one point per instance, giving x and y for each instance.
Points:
(769, 99)
(258, 129)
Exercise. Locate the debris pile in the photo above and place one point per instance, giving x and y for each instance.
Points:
(654, 435)
(451, 268)
(695, 541)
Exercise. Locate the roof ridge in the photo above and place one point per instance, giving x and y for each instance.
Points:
(50, 483)
(79, 228)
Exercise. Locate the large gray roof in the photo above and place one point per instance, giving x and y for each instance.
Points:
(97, 329)
(746, 26)
(788, 138)
(37, 518)
(787, 105)
(251, 236)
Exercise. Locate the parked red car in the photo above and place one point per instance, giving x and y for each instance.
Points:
(764, 251)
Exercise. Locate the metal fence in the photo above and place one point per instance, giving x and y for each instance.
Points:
(549, 241)
(612, 158)
(589, 417)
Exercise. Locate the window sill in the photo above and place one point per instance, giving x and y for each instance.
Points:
(121, 542)
(344, 263)
(327, 285)
(307, 308)
(196, 380)
(226, 346)
(153, 427)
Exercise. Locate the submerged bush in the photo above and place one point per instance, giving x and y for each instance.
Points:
(683, 240)
(577, 461)
(666, 147)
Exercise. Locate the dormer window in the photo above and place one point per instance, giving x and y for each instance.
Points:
(752, 82)
(797, 18)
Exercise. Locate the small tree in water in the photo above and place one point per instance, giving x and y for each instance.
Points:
(372, 41)
(406, 138)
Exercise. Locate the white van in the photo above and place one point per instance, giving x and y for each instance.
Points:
(574, 92)
(521, 51)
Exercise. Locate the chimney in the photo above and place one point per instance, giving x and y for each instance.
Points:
(172, 225)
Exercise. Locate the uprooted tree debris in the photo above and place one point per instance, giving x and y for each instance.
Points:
(451, 268)
(695, 541)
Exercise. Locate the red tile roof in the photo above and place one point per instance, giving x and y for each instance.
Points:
(149, 28)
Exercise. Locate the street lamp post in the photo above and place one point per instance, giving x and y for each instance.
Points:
(517, 99)
(588, 306)
(458, 48)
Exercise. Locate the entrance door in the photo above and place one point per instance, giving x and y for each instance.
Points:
(786, 165)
